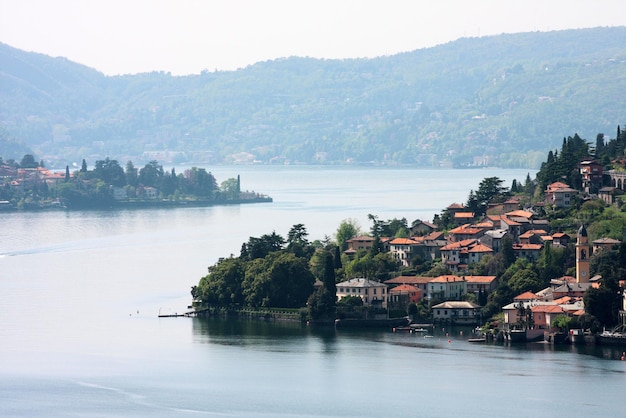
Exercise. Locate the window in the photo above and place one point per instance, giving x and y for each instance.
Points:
(374, 290)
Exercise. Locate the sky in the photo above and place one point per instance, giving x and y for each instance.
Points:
(190, 36)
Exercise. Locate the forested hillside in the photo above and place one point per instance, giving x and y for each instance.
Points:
(501, 100)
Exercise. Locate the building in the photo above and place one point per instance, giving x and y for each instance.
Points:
(447, 287)
(477, 283)
(362, 242)
(591, 175)
(530, 252)
(543, 315)
(456, 312)
(419, 282)
(401, 296)
(373, 294)
(403, 250)
(604, 243)
(560, 194)
(477, 252)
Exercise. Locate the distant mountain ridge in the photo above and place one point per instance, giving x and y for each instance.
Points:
(500, 100)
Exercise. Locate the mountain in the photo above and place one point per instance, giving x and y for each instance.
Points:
(499, 100)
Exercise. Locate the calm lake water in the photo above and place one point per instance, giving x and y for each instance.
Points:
(80, 293)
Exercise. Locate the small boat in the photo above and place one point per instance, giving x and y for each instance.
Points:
(476, 340)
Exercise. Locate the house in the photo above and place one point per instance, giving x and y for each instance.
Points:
(455, 255)
(512, 227)
(372, 293)
(604, 243)
(465, 232)
(526, 297)
(420, 228)
(591, 175)
(560, 238)
(493, 239)
(571, 290)
(531, 252)
(419, 282)
(403, 250)
(404, 294)
(362, 242)
(447, 287)
(532, 236)
(461, 218)
(560, 194)
(430, 245)
(543, 315)
(119, 193)
(477, 283)
(608, 194)
(456, 312)
(477, 252)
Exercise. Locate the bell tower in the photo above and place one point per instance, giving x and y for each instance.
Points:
(582, 256)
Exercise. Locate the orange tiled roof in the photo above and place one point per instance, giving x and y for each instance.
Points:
(447, 278)
(520, 214)
(464, 215)
(402, 241)
(409, 280)
(405, 288)
(527, 247)
(458, 245)
(526, 296)
(547, 309)
(480, 248)
(480, 279)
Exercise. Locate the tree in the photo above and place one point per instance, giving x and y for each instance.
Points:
(329, 275)
(199, 182)
(261, 247)
(600, 303)
(151, 174)
(28, 161)
(132, 178)
(110, 172)
(279, 280)
(67, 173)
(83, 167)
(489, 190)
(223, 285)
(525, 280)
(230, 189)
(348, 229)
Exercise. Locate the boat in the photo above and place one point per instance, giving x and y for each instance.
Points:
(477, 340)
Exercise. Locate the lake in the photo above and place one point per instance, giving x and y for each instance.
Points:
(80, 293)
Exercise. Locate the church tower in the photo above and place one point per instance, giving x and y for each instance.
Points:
(582, 256)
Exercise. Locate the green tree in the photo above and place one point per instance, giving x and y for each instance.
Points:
(348, 229)
(132, 177)
(262, 246)
(223, 285)
(28, 161)
(110, 172)
(600, 303)
(279, 280)
(525, 280)
(151, 174)
(230, 189)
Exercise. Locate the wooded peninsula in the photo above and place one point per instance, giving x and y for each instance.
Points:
(28, 185)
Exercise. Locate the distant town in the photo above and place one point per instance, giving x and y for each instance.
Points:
(542, 260)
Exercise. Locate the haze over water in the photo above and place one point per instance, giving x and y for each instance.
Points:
(80, 293)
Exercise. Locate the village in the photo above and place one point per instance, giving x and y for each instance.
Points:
(532, 315)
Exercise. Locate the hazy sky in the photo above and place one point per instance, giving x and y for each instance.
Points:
(188, 36)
